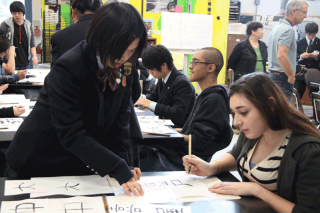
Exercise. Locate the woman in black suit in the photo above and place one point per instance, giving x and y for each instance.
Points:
(80, 123)
(251, 54)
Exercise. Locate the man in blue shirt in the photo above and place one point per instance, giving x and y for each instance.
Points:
(283, 47)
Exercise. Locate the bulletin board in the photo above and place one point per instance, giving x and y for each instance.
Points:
(186, 31)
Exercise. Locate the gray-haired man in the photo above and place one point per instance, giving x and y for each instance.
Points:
(283, 47)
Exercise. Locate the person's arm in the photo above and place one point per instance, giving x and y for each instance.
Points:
(136, 87)
(200, 167)
(6, 112)
(34, 55)
(209, 121)
(55, 50)
(33, 47)
(10, 66)
(285, 63)
(153, 96)
(235, 56)
(228, 161)
(66, 89)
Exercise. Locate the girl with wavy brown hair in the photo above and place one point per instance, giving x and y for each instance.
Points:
(277, 153)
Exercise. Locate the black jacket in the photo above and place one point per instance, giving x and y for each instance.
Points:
(64, 40)
(68, 132)
(298, 175)
(176, 99)
(243, 58)
(301, 48)
(6, 112)
(209, 123)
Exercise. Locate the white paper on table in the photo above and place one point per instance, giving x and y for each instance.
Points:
(148, 208)
(209, 181)
(10, 103)
(157, 129)
(10, 121)
(160, 189)
(32, 103)
(148, 117)
(77, 204)
(73, 185)
(186, 186)
(38, 71)
(12, 97)
(31, 80)
(15, 187)
(164, 195)
(74, 204)
(152, 122)
(138, 110)
(29, 205)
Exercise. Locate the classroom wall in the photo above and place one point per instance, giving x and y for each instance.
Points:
(272, 7)
(36, 8)
(219, 11)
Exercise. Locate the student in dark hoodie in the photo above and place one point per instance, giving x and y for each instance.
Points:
(208, 122)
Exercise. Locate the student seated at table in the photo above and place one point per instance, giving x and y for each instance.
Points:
(80, 123)
(277, 153)
(208, 122)
(14, 111)
(174, 95)
(7, 62)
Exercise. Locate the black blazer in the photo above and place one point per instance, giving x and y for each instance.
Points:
(64, 40)
(243, 58)
(68, 132)
(176, 99)
(301, 48)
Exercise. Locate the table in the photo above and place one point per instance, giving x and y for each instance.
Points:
(159, 139)
(243, 205)
(26, 85)
(148, 139)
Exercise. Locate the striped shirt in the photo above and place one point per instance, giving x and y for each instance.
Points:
(265, 173)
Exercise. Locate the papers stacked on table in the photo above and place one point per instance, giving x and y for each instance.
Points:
(154, 125)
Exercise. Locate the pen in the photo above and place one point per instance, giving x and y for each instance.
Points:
(189, 152)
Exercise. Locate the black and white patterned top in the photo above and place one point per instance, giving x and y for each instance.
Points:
(265, 173)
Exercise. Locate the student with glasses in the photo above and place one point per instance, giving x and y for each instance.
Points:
(251, 54)
(208, 123)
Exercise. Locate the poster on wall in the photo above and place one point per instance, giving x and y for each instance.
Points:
(51, 2)
(4, 9)
(64, 2)
(157, 6)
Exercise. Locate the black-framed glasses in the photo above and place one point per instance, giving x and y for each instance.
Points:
(194, 63)
(305, 12)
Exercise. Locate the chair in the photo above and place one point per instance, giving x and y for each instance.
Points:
(315, 97)
(296, 101)
(2, 163)
(152, 84)
(229, 77)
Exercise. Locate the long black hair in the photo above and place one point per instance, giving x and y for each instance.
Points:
(113, 28)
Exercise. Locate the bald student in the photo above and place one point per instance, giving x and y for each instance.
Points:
(208, 122)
